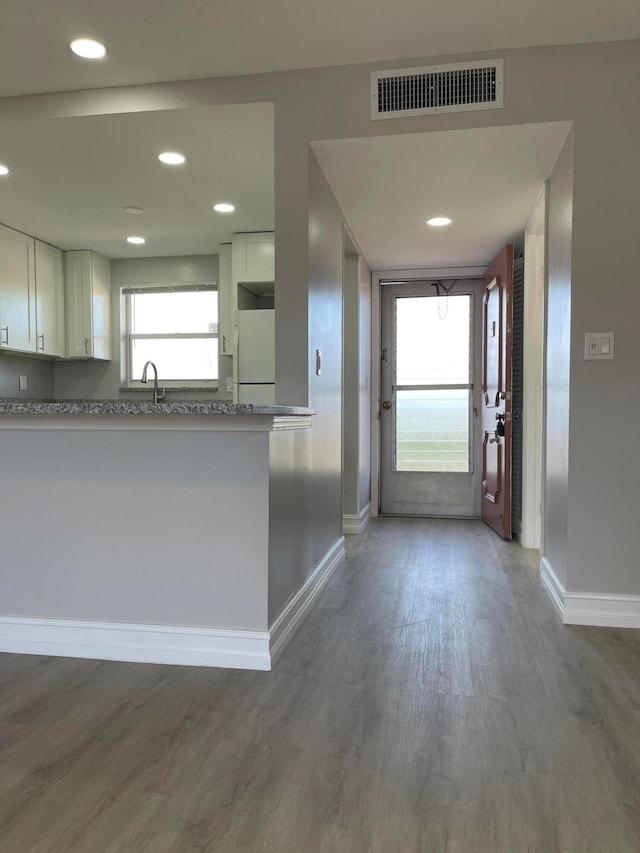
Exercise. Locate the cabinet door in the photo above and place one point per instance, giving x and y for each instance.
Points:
(17, 291)
(254, 257)
(100, 306)
(49, 300)
(226, 302)
(78, 304)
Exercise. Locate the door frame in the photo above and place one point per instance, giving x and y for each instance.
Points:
(378, 277)
(534, 399)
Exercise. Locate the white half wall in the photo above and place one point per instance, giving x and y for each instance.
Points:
(132, 527)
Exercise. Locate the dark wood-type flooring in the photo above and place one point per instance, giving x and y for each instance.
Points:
(432, 701)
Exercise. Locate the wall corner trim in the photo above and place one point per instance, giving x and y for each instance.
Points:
(163, 644)
(288, 621)
(591, 609)
(355, 524)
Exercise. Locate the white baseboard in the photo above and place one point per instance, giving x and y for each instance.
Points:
(354, 524)
(293, 614)
(552, 585)
(585, 608)
(164, 644)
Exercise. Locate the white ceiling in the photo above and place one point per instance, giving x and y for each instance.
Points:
(71, 178)
(486, 180)
(158, 40)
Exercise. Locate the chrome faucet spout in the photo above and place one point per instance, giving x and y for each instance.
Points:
(158, 393)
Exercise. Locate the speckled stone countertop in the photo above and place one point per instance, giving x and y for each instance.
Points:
(12, 406)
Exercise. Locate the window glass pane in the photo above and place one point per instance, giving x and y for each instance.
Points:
(174, 312)
(176, 358)
(432, 340)
(432, 430)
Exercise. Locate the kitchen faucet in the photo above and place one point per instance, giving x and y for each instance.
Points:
(158, 393)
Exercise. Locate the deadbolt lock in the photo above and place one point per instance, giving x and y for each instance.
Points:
(386, 404)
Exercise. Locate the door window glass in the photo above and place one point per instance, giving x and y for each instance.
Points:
(433, 387)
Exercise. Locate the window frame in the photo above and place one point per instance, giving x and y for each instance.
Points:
(128, 337)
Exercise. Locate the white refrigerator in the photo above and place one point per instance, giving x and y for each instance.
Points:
(254, 365)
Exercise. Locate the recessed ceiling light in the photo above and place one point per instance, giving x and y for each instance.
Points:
(3, 170)
(172, 158)
(439, 221)
(223, 207)
(88, 48)
(137, 241)
(134, 210)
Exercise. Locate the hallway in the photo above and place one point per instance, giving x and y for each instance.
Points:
(432, 701)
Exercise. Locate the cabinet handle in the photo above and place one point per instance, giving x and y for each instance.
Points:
(5, 331)
(42, 347)
(224, 343)
(86, 346)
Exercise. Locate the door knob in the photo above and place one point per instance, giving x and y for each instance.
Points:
(386, 404)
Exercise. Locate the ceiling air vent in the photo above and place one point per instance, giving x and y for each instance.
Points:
(436, 89)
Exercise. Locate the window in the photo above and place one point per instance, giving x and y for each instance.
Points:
(433, 391)
(176, 327)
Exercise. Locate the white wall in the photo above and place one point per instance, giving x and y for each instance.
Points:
(558, 352)
(364, 390)
(290, 524)
(325, 334)
(587, 84)
(39, 375)
(351, 382)
(101, 380)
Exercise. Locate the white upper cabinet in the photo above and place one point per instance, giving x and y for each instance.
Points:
(50, 326)
(254, 257)
(17, 291)
(225, 301)
(88, 305)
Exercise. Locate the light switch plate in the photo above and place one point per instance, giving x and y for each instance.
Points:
(22, 383)
(598, 346)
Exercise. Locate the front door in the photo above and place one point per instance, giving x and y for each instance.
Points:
(427, 406)
(497, 310)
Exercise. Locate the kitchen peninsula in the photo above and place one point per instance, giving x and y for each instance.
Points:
(154, 532)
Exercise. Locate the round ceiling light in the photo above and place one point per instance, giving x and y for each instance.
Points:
(223, 207)
(88, 48)
(137, 241)
(172, 158)
(134, 210)
(439, 221)
(3, 170)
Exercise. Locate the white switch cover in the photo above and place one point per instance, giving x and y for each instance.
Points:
(598, 345)
(22, 383)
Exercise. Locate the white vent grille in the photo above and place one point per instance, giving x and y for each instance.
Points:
(437, 89)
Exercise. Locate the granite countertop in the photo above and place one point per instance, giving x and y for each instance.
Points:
(11, 406)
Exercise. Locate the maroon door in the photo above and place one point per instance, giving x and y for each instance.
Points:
(497, 311)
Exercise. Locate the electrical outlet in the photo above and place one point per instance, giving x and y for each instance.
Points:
(229, 383)
(22, 383)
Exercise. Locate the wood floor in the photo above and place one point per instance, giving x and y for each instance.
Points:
(432, 701)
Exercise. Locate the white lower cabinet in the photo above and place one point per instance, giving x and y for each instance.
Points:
(17, 291)
(88, 305)
(50, 325)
